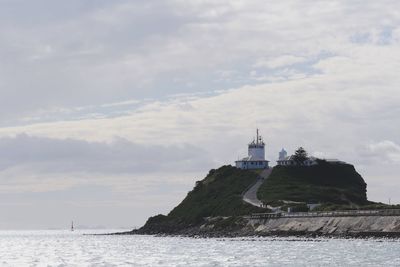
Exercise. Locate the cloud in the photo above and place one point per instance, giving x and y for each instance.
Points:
(93, 94)
(384, 152)
(112, 51)
(89, 181)
(45, 164)
(278, 62)
(119, 156)
(108, 184)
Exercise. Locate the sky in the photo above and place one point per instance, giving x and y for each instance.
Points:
(111, 110)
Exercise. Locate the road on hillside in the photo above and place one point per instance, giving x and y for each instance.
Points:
(250, 196)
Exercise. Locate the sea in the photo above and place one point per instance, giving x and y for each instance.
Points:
(85, 248)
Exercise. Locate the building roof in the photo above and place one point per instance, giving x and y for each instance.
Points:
(288, 158)
(335, 161)
(251, 158)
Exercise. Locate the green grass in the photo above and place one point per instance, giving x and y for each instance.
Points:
(323, 183)
(219, 194)
(368, 206)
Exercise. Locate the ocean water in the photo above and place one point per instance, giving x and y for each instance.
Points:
(65, 248)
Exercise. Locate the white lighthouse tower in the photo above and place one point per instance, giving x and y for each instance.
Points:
(256, 155)
(256, 148)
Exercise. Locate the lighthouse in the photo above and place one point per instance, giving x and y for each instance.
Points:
(256, 155)
(257, 148)
(282, 154)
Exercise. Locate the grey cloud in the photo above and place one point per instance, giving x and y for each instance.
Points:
(81, 53)
(56, 57)
(88, 205)
(384, 152)
(47, 182)
(78, 53)
(46, 155)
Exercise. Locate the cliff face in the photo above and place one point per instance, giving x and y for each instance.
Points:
(322, 183)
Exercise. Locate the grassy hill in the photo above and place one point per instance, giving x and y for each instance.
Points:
(219, 194)
(324, 183)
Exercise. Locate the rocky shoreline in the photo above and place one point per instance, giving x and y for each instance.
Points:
(329, 227)
(296, 234)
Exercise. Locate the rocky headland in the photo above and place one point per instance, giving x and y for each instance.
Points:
(215, 207)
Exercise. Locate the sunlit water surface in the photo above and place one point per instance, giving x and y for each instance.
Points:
(65, 248)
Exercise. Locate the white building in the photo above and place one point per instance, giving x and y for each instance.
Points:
(282, 154)
(256, 156)
(285, 160)
(289, 161)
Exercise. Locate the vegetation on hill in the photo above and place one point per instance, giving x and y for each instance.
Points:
(370, 206)
(219, 194)
(322, 183)
(300, 156)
